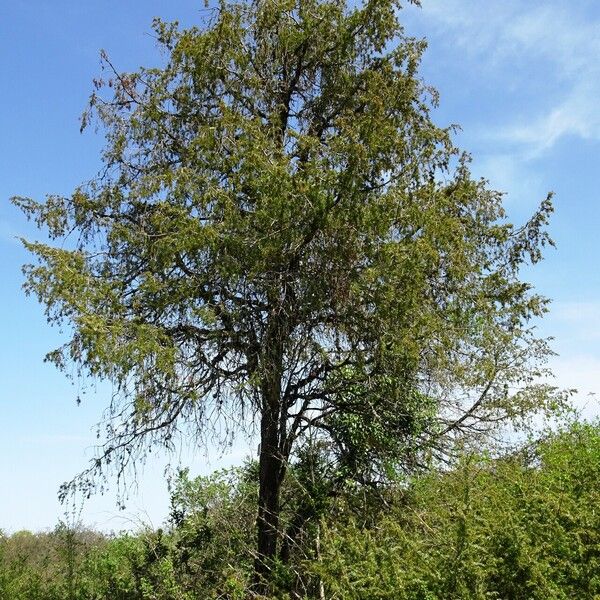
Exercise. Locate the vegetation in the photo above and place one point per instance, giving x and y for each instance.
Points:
(525, 525)
(282, 241)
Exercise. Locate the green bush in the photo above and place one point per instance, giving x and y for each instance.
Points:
(525, 527)
(521, 527)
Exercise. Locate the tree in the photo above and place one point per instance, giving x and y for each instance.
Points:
(281, 237)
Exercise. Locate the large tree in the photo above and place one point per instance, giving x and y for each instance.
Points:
(281, 237)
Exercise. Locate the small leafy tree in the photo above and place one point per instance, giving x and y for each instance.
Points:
(212, 521)
(282, 241)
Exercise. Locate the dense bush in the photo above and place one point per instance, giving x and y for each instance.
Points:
(525, 526)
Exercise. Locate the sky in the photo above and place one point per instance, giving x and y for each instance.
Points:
(522, 79)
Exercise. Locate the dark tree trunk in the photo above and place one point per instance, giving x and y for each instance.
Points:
(270, 476)
(271, 463)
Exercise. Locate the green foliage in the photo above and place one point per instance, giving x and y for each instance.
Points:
(110, 569)
(525, 526)
(282, 240)
(44, 566)
(282, 231)
(213, 522)
(520, 527)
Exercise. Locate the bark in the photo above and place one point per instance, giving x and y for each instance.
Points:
(271, 460)
(270, 479)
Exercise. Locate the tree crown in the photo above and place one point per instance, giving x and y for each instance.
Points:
(280, 225)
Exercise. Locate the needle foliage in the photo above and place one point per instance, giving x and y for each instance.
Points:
(283, 242)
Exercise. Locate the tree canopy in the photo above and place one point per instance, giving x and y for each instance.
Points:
(283, 241)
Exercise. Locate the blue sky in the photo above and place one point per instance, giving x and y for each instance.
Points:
(521, 78)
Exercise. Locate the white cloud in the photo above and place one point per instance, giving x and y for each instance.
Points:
(555, 38)
(512, 29)
(578, 114)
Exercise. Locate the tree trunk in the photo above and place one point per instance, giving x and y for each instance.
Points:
(270, 470)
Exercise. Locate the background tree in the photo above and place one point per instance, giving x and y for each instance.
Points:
(282, 241)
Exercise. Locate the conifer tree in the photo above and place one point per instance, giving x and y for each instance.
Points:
(283, 239)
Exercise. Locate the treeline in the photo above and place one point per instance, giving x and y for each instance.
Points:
(524, 526)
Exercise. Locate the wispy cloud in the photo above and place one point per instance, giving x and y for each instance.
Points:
(556, 42)
(577, 115)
